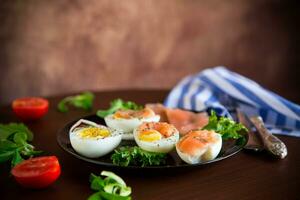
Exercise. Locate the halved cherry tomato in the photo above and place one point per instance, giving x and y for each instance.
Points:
(37, 172)
(30, 108)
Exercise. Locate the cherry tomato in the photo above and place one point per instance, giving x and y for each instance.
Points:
(30, 108)
(37, 172)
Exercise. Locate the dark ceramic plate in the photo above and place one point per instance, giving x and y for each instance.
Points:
(229, 148)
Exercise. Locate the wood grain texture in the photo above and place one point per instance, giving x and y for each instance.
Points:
(57, 46)
(243, 176)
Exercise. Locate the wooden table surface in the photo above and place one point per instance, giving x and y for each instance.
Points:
(243, 176)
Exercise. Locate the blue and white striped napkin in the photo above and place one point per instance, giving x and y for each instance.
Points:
(220, 89)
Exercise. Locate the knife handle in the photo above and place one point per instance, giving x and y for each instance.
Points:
(272, 143)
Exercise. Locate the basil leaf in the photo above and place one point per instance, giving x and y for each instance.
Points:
(6, 155)
(16, 158)
(6, 145)
(20, 138)
(6, 130)
(83, 100)
(62, 106)
(13, 143)
(31, 153)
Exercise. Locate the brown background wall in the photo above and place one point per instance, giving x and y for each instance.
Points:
(58, 46)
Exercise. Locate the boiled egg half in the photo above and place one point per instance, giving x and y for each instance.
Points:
(93, 140)
(127, 120)
(158, 137)
(199, 146)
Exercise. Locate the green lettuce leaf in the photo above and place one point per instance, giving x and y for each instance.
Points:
(228, 128)
(118, 104)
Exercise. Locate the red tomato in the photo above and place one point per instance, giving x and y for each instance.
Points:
(37, 172)
(30, 108)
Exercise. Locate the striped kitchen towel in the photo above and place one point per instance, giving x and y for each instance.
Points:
(222, 90)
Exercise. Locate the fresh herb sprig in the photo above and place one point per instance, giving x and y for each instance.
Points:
(228, 128)
(112, 187)
(119, 104)
(84, 101)
(14, 146)
(127, 155)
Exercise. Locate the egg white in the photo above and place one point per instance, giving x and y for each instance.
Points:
(127, 126)
(164, 145)
(207, 153)
(93, 147)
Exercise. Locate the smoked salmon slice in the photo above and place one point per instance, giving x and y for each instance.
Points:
(183, 120)
(159, 109)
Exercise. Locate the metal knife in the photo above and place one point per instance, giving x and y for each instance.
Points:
(254, 142)
(271, 143)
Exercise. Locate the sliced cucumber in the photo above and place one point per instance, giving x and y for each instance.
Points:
(125, 191)
(116, 188)
(114, 176)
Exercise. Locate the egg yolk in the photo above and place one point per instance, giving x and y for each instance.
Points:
(94, 132)
(150, 136)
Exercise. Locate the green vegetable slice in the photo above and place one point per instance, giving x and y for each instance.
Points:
(95, 196)
(109, 196)
(116, 188)
(113, 176)
(110, 188)
(125, 191)
(97, 183)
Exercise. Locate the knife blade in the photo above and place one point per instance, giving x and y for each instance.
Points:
(254, 142)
